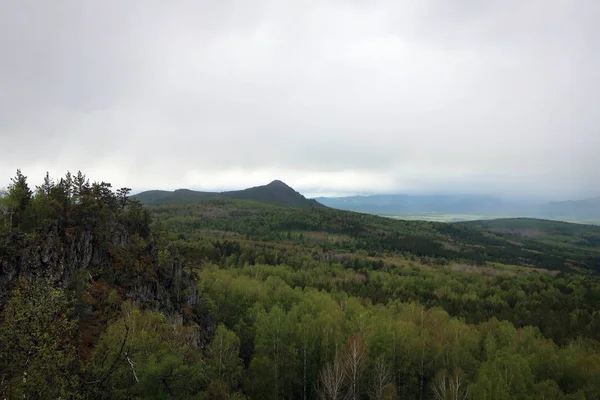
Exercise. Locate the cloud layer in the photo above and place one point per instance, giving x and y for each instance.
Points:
(329, 96)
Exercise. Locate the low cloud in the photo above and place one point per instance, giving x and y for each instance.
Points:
(332, 97)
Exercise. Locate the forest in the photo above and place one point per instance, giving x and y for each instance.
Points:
(104, 297)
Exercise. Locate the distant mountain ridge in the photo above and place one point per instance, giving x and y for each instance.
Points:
(400, 203)
(276, 192)
(464, 204)
(587, 208)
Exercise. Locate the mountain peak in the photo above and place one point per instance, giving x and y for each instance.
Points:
(278, 183)
(276, 192)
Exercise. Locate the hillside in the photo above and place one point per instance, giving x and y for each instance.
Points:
(354, 231)
(534, 227)
(546, 231)
(177, 196)
(226, 298)
(275, 192)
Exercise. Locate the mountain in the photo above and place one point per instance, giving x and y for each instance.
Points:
(178, 196)
(402, 203)
(577, 209)
(276, 192)
(488, 206)
(107, 298)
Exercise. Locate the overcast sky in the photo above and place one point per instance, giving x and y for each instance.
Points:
(332, 97)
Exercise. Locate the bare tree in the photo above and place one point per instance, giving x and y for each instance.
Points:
(355, 352)
(332, 380)
(450, 387)
(381, 379)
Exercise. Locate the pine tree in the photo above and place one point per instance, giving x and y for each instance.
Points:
(18, 198)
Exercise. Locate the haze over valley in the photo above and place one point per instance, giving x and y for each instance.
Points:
(467, 207)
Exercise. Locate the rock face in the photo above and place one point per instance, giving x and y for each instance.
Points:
(158, 283)
(54, 257)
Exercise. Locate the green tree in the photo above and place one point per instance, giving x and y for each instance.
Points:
(306, 343)
(37, 344)
(18, 197)
(274, 339)
(506, 376)
(257, 385)
(144, 355)
(223, 357)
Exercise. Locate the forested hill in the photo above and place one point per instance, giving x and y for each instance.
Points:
(535, 227)
(276, 192)
(442, 242)
(72, 255)
(548, 231)
(221, 298)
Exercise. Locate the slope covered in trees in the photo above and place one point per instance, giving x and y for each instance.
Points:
(444, 243)
(552, 232)
(230, 299)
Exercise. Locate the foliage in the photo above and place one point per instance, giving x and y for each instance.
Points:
(343, 231)
(143, 355)
(233, 299)
(37, 352)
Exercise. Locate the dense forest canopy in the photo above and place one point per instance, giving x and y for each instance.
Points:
(223, 298)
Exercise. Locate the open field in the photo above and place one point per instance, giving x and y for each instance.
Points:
(441, 217)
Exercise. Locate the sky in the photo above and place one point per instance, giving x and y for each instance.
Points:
(334, 97)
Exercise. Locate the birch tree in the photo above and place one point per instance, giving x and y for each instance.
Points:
(332, 380)
(449, 386)
(355, 353)
(381, 380)
(224, 356)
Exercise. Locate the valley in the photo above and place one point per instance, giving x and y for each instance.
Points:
(464, 207)
(299, 200)
(440, 217)
(263, 293)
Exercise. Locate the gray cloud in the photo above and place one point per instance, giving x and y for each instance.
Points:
(333, 97)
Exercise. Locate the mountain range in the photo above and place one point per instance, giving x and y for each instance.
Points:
(480, 205)
(275, 192)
